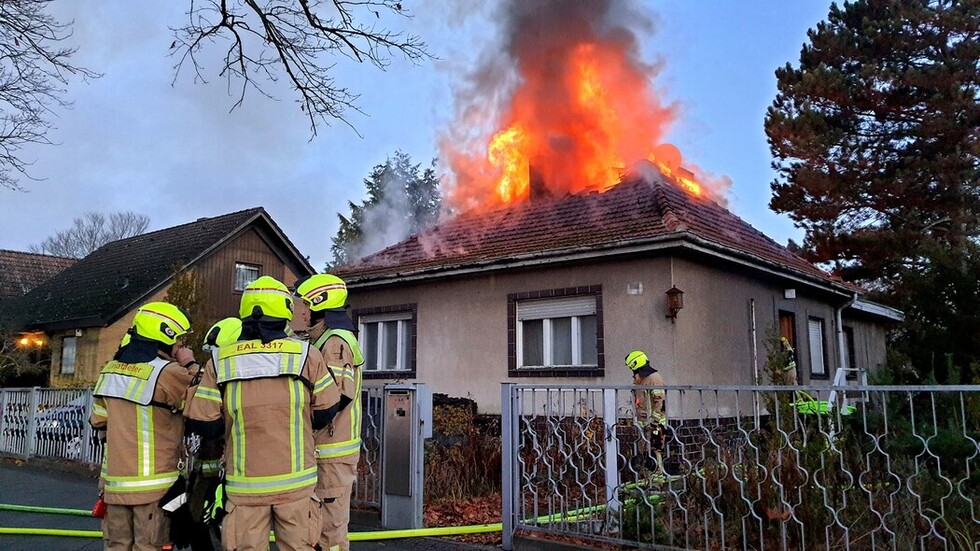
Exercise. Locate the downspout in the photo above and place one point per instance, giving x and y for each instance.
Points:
(755, 346)
(841, 348)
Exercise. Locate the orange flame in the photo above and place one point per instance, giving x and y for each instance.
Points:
(583, 109)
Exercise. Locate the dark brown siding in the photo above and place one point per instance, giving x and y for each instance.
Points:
(218, 270)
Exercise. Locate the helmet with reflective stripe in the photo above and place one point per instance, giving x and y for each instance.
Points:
(636, 359)
(266, 297)
(223, 333)
(323, 292)
(161, 322)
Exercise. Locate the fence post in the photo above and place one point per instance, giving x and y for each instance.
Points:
(508, 463)
(612, 452)
(32, 425)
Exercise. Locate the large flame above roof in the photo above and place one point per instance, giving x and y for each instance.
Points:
(568, 97)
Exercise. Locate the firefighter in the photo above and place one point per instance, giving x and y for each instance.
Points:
(786, 375)
(138, 401)
(206, 463)
(338, 446)
(649, 408)
(266, 394)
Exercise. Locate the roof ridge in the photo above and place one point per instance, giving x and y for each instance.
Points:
(46, 255)
(196, 221)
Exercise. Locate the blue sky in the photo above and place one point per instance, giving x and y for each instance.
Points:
(137, 139)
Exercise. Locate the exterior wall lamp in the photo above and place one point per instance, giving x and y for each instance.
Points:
(675, 301)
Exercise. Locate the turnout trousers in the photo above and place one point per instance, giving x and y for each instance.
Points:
(296, 525)
(135, 528)
(334, 484)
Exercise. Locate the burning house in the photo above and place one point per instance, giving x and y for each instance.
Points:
(564, 260)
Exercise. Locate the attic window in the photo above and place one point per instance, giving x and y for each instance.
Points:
(245, 274)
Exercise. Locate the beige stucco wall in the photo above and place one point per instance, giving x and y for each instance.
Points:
(462, 323)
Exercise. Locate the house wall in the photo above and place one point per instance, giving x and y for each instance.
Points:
(97, 345)
(462, 323)
(870, 339)
(93, 349)
(218, 270)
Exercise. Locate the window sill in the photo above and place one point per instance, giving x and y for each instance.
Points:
(558, 372)
(387, 374)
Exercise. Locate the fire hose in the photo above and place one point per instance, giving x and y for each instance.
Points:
(374, 535)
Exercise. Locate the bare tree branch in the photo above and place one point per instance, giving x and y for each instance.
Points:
(91, 231)
(266, 40)
(34, 71)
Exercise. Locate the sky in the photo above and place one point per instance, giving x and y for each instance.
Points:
(139, 139)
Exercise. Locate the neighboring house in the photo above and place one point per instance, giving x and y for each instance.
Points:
(20, 272)
(86, 309)
(559, 291)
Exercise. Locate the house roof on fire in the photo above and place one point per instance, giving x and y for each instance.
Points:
(20, 272)
(637, 214)
(109, 282)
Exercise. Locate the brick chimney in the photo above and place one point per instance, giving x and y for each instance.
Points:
(537, 191)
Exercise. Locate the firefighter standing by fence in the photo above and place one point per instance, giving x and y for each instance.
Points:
(138, 402)
(274, 392)
(338, 446)
(649, 409)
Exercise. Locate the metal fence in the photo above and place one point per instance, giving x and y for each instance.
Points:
(53, 424)
(746, 467)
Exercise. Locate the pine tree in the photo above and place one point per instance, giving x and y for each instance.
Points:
(876, 146)
(401, 200)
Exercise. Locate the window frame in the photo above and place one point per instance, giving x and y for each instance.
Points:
(402, 313)
(74, 354)
(515, 334)
(825, 373)
(234, 283)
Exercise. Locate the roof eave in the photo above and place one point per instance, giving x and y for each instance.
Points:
(678, 240)
(878, 310)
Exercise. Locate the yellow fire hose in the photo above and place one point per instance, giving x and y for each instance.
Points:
(574, 515)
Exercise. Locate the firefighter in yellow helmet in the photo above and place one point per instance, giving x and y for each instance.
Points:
(205, 465)
(266, 393)
(649, 408)
(138, 401)
(338, 446)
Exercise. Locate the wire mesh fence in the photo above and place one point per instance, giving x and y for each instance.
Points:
(861, 467)
(54, 424)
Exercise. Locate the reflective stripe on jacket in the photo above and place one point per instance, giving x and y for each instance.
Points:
(132, 382)
(266, 394)
(341, 441)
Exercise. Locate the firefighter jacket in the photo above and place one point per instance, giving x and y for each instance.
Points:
(138, 405)
(340, 442)
(266, 395)
(649, 404)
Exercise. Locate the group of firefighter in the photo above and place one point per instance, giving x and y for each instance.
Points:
(265, 436)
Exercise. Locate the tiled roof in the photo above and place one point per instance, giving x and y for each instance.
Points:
(632, 213)
(104, 285)
(20, 272)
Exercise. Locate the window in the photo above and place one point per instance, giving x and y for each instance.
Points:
(387, 341)
(245, 274)
(68, 355)
(818, 365)
(556, 335)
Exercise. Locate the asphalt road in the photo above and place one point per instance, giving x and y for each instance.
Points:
(43, 486)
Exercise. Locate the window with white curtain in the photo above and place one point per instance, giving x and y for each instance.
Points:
(557, 332)
(68, 355)
(818, 360)
(245, 274)
(386, 341)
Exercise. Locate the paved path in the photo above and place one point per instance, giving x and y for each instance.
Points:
(27, 484)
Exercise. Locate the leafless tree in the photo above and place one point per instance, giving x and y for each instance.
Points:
(91, 231)
(34, 70)
(295, 38)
